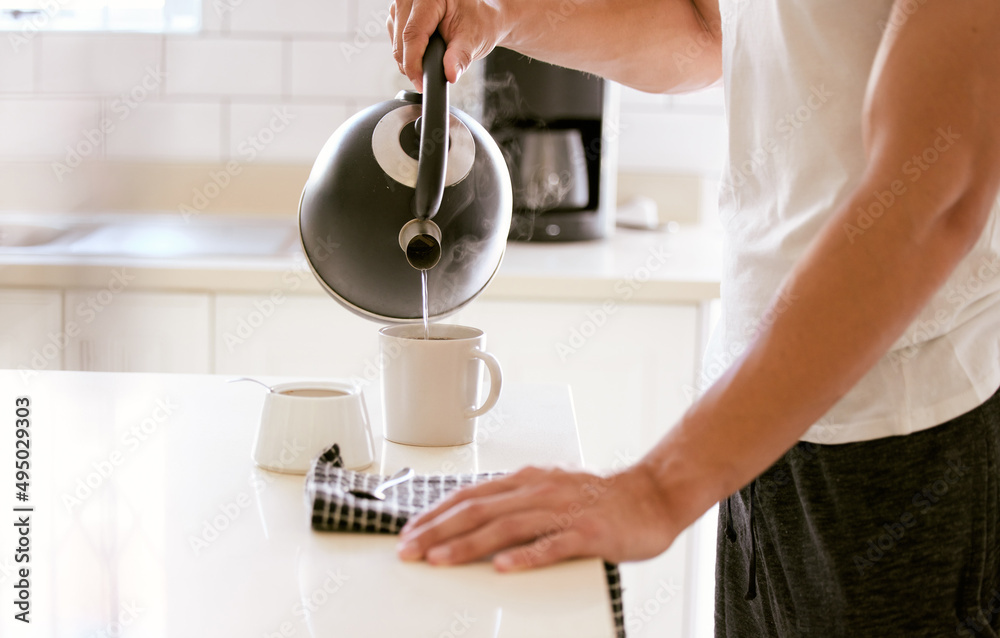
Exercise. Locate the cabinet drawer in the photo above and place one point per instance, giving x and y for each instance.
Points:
(137, 331)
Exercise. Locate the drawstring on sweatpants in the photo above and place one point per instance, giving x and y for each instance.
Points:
(731, 535)
(730, 532)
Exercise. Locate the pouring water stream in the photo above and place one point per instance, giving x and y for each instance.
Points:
(423, 289)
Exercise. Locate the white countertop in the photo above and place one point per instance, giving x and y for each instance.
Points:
(637, 266)
(159, 461)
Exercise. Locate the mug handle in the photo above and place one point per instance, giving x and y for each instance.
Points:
(496, 380)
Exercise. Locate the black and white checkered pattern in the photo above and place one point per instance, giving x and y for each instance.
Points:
(335, 509)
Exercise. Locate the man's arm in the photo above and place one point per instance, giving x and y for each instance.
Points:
(652, 45)
(853, 297)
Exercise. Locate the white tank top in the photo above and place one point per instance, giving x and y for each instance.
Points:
(795, 74)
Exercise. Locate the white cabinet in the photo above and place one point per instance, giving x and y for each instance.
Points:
(296, 336)
(31, 336)
(627, 368)
(124, 331)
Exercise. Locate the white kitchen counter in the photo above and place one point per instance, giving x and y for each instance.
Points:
(150, 520)
(639, 266)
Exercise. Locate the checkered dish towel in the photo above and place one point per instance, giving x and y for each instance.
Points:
(335, 509)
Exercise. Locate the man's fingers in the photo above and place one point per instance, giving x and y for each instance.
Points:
(420, 24)
(545, 550)
(399, 12)
(538, 517)
(500, 533)
(464, 518)
(525, 475)
(457, 59)
(390, 26)
(471, 30)
(477, 491)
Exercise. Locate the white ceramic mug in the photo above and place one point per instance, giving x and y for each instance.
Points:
(300, 420)
(430, 387)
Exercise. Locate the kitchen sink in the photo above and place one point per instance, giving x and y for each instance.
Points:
(148, 236)
(157, 240)
(28, 235)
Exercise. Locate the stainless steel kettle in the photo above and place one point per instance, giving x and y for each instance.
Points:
(406, 186)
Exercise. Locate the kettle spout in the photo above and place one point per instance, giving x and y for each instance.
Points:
(420, 239)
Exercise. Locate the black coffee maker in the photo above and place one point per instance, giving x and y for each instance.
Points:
(558, 131)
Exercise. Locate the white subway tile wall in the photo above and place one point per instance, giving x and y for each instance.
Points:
(343, 70)
(170, 131)
(302, 17)
(17, 69)
(213, 97)
(223, 67)
(280, 133)
(84, 64)
(215, 15)
(43, 129)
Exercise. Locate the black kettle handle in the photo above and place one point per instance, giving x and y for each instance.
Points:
(433, 132)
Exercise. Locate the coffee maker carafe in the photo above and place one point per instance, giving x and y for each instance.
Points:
(558, 132)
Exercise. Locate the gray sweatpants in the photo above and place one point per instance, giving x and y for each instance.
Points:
(892, 537)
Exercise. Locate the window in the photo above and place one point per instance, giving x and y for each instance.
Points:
(155, 16)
